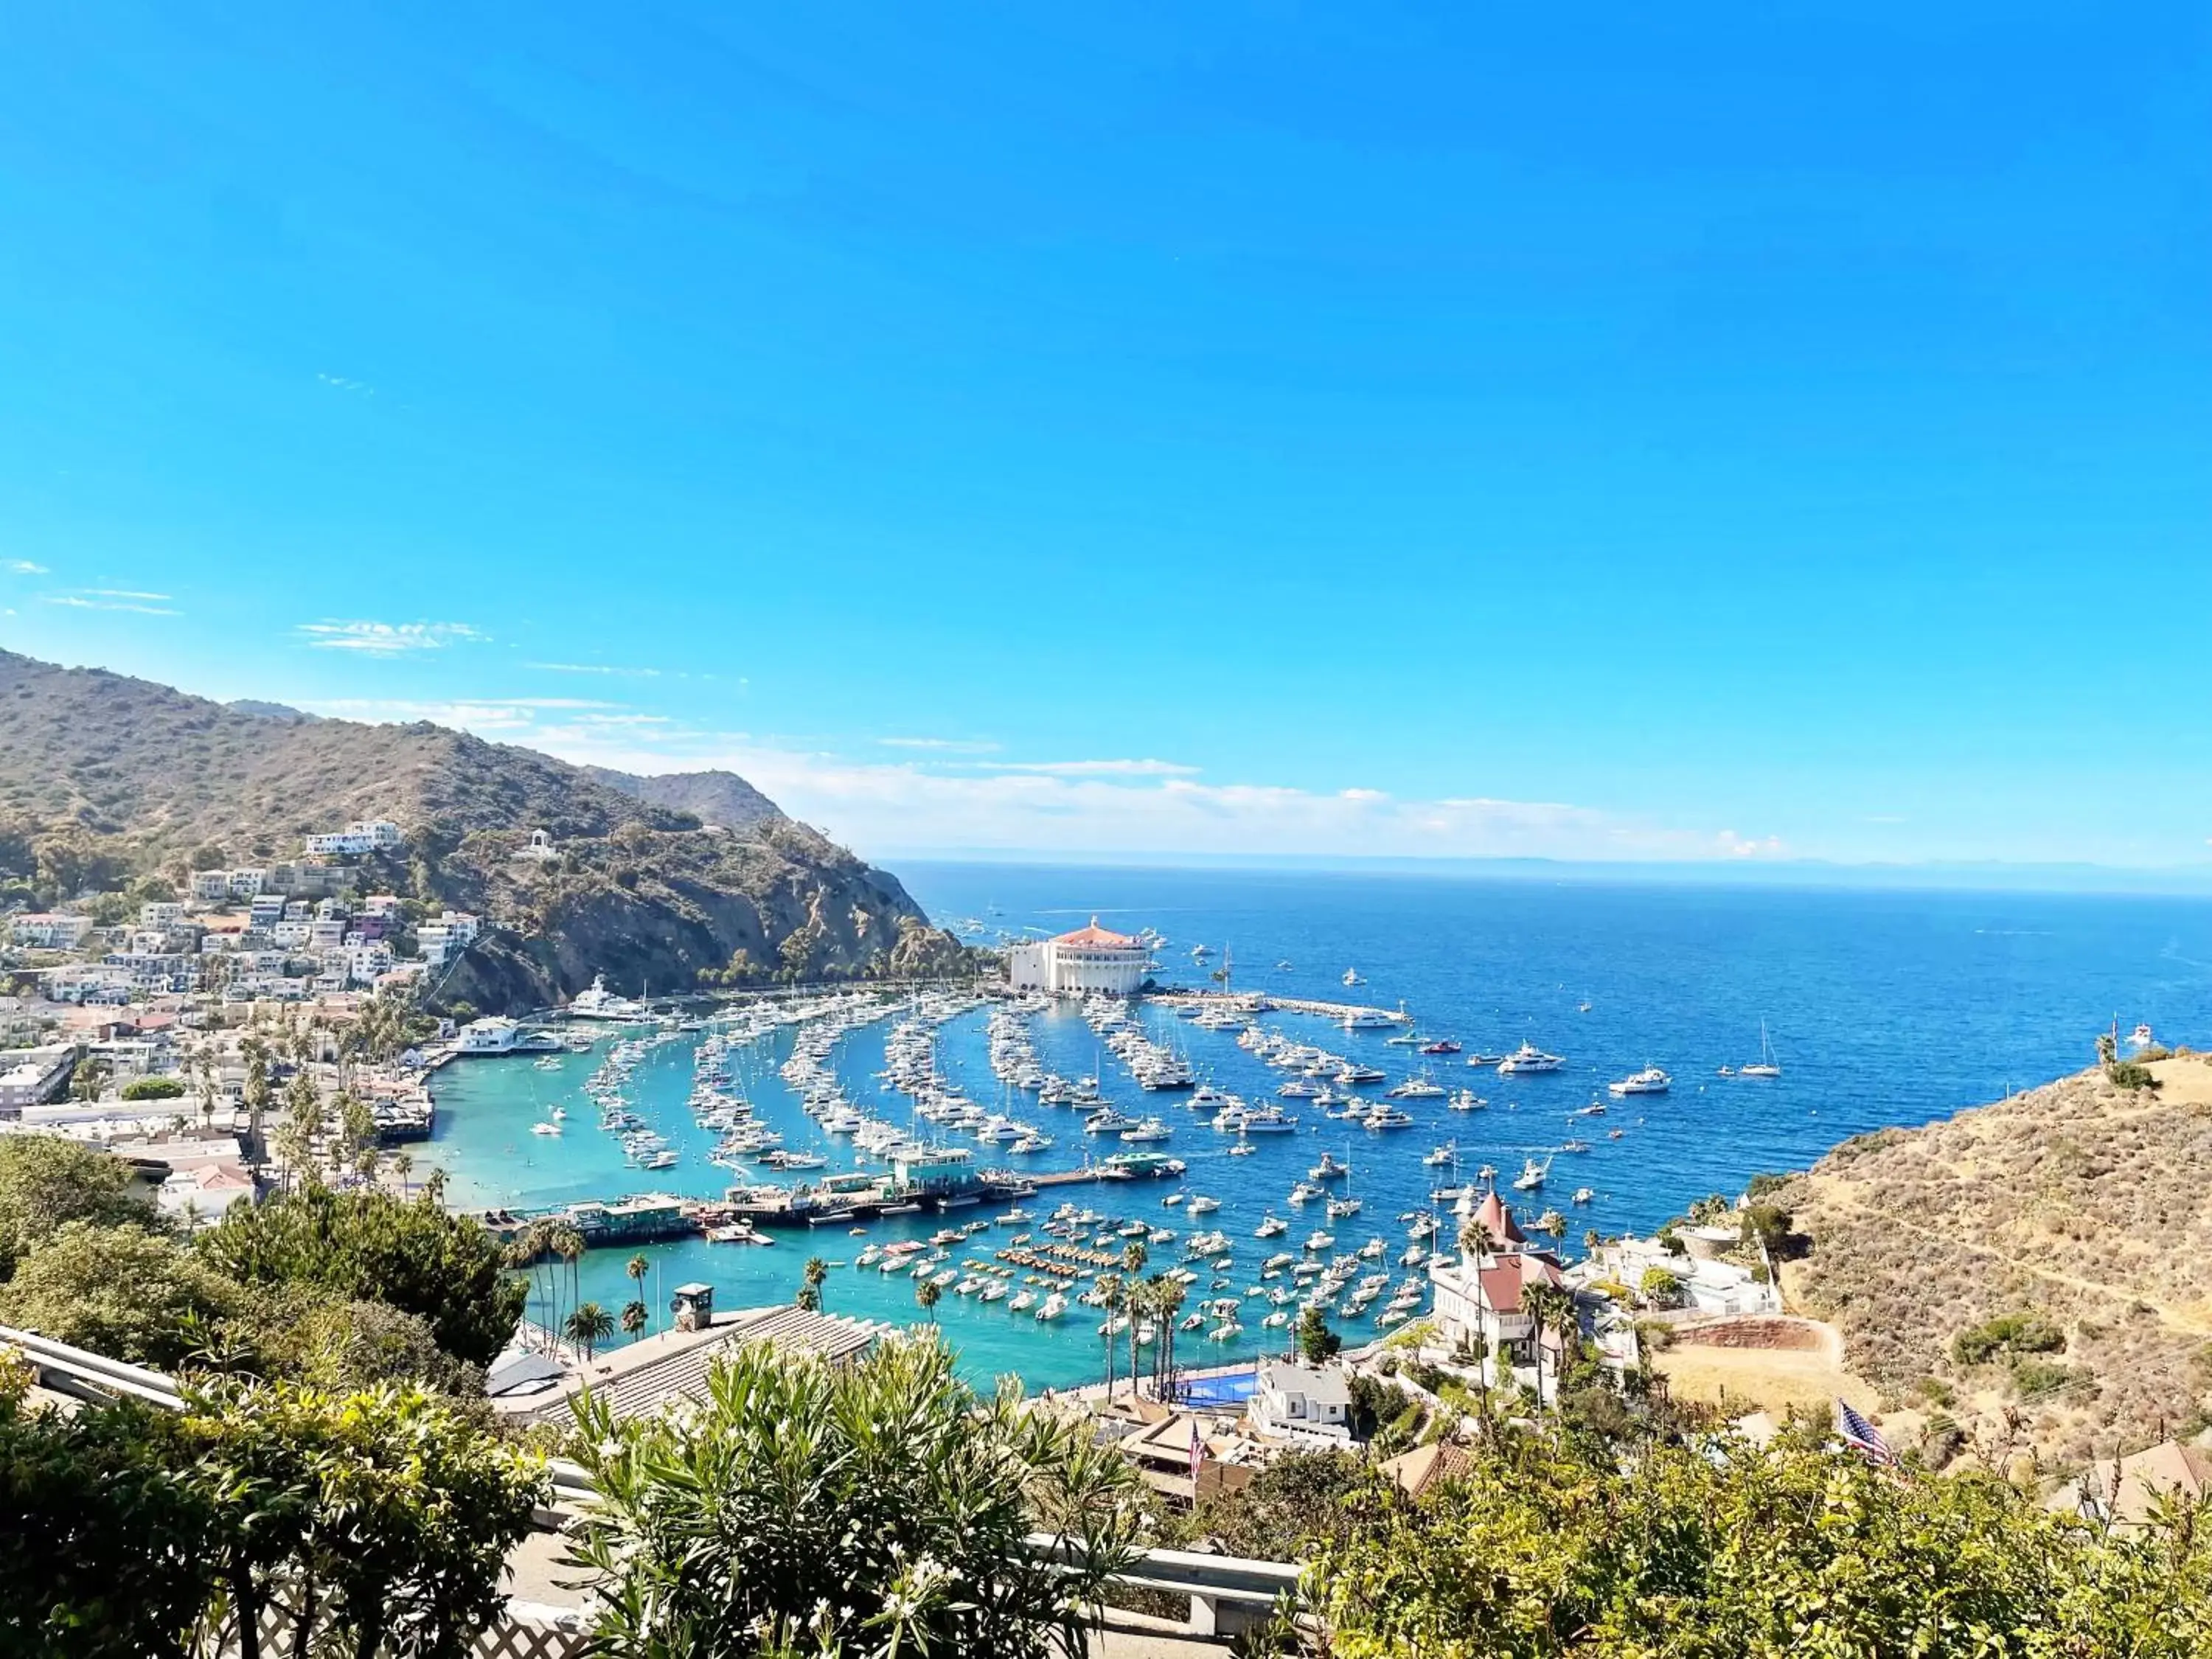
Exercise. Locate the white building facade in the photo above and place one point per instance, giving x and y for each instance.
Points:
(1089, 959)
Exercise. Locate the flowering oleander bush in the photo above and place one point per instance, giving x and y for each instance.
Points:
(876, 1508)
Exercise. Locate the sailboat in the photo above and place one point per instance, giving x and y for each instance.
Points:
(1766, 1066)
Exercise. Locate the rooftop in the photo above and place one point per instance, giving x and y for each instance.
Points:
(1099, 937)
(650, 1375)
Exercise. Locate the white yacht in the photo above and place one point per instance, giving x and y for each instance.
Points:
(1528, 1058)
(1389, 1117)
(1274, 1226)
(599, 1003)
(1371, 1019)
(1351, 978)
(1532, 1175)
(1649, 1081)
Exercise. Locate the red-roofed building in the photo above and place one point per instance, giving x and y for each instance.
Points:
(1480, 1288)
(1089, 959)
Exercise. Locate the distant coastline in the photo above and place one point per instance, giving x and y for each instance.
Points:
(2185, 881)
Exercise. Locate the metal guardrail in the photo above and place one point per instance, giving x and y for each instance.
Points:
(1210, 1581)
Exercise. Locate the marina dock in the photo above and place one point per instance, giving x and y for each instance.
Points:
(1238, 1001)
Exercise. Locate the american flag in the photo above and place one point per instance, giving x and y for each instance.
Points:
(1197, 1450)
(1861, 1436)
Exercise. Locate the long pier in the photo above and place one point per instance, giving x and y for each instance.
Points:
(1237, 999)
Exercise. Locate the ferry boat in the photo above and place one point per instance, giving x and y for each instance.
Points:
(1649, 1081)
(1528, 1058)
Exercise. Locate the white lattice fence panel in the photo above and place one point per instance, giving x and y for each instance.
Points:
(527, 1631)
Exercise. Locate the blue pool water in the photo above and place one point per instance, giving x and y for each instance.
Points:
(1884, 1007)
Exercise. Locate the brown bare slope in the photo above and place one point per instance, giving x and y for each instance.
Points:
(2084, 1205)
(102, 772)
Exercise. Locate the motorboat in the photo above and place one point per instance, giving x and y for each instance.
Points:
(1532, 1175)
(1441, 1046)
(1527, 1059)
(1328, 1169)
(1438, 1157)
(1351, 978)
(1389, 1117)
(1649, 1081)
(1465, 1100)
(1274, 1226)
(1584, 1194)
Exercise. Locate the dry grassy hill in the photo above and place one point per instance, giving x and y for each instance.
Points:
(105, 779)
(2050, 1255)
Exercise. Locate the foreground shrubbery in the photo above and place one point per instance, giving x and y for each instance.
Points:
(877, 1508)
(1801, 1553)
(127, 1533)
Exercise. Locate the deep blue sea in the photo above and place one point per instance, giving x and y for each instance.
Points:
(1884, 1007)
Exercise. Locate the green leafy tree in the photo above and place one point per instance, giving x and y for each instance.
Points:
(154, 1088)
(370, 1245)
(634, 1318)
(1316, 1341)
(870, 1509)
(1539, 1552)
(89, 1077)
(384, 1517)
(122, 1290)
(101, 1534)
(45, 1181)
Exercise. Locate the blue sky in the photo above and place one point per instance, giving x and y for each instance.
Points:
(1621, 433)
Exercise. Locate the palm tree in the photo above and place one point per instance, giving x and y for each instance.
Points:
(588, 1327)
(403, 1165)
(1167, 1299)
(633, 1320)
(1109, 1299)
(637, 1269)
(1133, 1263)
(809, 1286)
(1549, 1309)
(568, 1245)
(927, 1292)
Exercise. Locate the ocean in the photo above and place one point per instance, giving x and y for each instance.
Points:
(1883, 1008)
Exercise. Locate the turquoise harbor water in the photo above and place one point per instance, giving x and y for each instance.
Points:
(1884, 1007)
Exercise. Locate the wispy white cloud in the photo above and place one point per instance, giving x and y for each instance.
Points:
(340, 383)
(1093, 768)
(597, 668)
(381, 639)
(123, 594)
(942, 745)
(935, 800)
(22, 568)
(95, 599)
